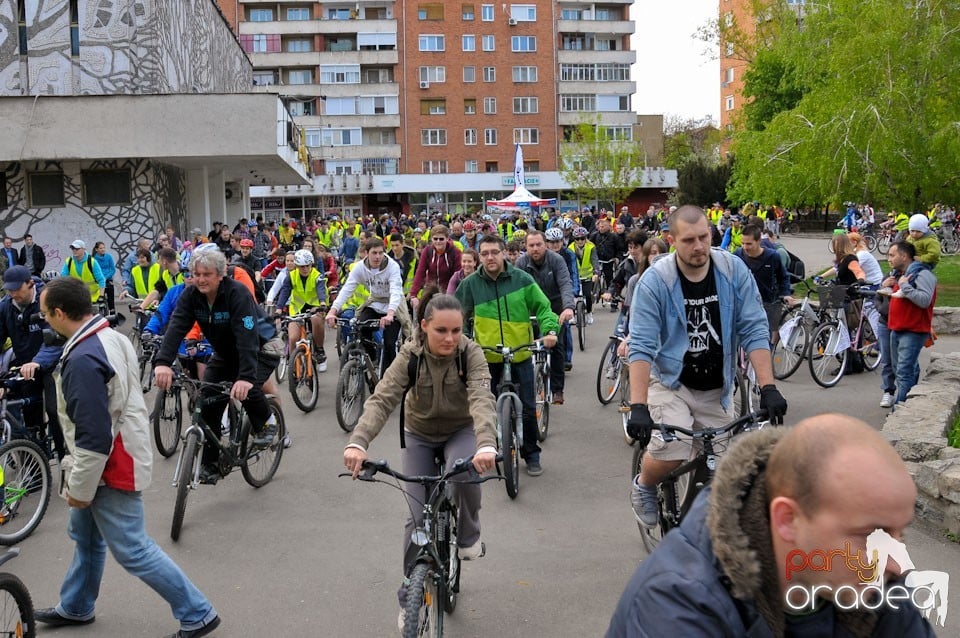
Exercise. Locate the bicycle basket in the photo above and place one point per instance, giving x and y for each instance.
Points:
(832, 297)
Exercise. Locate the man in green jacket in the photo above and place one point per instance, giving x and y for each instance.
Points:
(498, 301)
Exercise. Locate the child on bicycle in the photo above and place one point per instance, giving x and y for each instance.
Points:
(303, 290)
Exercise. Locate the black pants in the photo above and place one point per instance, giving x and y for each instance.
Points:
(522, 374)
(557, 360)
(586, 288)
(255, 405)
(108, 291)
(390, 335)
(33, 413)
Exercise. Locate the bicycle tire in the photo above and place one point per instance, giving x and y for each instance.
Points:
(146, 374)
(608, 374)
(190, 455)
(302, 377)
(542, 397)
(869, 347)
(871, 243)
(949, 245)
(27, 485)
(351, 393)
(788, 355)
(424, 616)
(280, 372)
(506, 416)
(883, 244)
(167, 421)
(625, 408)
(17, 619)
(451, 558)
(740, 398)
(581, 325)
(259, 464)
(824, 339)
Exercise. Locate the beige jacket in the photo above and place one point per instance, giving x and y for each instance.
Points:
(439, 404)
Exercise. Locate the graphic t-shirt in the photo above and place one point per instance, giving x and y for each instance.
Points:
(703, 362)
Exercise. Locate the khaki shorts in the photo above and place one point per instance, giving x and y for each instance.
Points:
(685, 408)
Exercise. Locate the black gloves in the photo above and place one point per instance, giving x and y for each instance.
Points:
(773, 402)
(640, 423)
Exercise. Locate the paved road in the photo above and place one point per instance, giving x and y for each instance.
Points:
(313, 555)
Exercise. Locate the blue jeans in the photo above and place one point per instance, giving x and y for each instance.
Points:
(115, 520)
(888, 381)
(905, 357)
(523, 381)
(568, 348)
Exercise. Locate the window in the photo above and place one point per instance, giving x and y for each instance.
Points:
(470, 137)
(490, 167)
(3, 190)
(303, 76)
(377, 75)
(431, 43)
(606, 14)
(434, 166)
(433, 74)
(486, 12)
(728, 49)
(526, 136)
(259, 43)
(489, 74)
(573, 43)
(606, 44)
(312, 136)
(572, 103)
(571, 14)
(471, 166)
(341, 137)
(264, 78)
(523, 12)
(437, 106)
(106, 188)
(376, 41)
(523, 43)
(488, 43)
(490, 105)
(338, 14)
(469, 74)
(298, 108)
(341, 105)
(299, 45)
(598, 72)
(46, 189)
(531, 166)
(433, 136)
(620, 133)
(470, 106)
(261, 15)
(298, 13)
(340, 74)
(433, 11)
(728, 76)
(467, 12)
(728, 102)
(525, 105)
(524, 74)
(469, 43)
(74, 28)
(490, 136)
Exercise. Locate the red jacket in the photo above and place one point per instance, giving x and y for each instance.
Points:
(436, 268)
(906, 316)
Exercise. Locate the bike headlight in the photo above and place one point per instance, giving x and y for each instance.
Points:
(419, 537)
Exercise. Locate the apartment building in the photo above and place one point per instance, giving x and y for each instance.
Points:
(414, 106)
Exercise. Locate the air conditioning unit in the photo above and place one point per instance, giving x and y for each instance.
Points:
(233, 192)
(512, 22)
(424, 85)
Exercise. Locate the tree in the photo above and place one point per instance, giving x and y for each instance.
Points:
(701, 183)
(598, 166)
(878, 116)
(687, 138)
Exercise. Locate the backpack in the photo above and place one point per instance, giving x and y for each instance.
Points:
(413, 370)
(796, 267)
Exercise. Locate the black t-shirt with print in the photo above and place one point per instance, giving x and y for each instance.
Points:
(703, 362)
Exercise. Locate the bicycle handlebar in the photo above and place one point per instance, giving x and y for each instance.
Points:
(669, 432)
(505, 350)
(380, 466)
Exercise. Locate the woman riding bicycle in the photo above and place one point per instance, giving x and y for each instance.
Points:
(451, 373)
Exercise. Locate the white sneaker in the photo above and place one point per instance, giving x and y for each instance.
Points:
(589, 318)
(887, 400)
(287, 440)
(322, 366)
(475, 551)
(401, 619)
(573, 321)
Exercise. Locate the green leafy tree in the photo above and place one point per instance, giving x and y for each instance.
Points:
(600, 167)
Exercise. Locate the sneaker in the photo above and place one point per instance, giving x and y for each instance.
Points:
(589, 318)
(568, 366)
(886, 401)
(534, 468)
(197, 633)
(209, 475)
(267, 435)
(475, 551)
(401, 619)
(613, 307)
(287, 440)
(321, 355)
(645, 504)
(558, 398)
(322, 366)
(573, 321)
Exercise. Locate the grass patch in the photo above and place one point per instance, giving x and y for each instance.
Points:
(953, 432)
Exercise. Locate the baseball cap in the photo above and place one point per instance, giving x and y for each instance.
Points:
(246, 243)
(78, 243)
(15, 277)
(919, 222)
(252, 223)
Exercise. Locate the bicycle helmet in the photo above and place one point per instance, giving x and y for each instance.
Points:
(505, 217)
(520, 235)
(303, 258)
(579, 232)
(565, 223)
(553, 234)
(487, 218)
(469, 225)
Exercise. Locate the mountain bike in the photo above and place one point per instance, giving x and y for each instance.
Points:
(541, 389)
(167, 415)
(303, 365)
(16, 606)
(678, 489)
(797, 322)
(433, 584)
(236, 448)
(832, 342)
(147, 349)
(609, 374)
(580, 316)
(358, 371)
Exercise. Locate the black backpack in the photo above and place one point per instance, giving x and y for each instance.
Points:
(413, 371)
(796, 267)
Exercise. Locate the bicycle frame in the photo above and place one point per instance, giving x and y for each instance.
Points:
(506, 392)
(226, 453)
(14, 425)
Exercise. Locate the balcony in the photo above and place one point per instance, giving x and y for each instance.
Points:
(607, 118)
(283, 59)
(377, 58)
(312, 27)
(605, 27)
(620, 88)
(579, 56)
(367, 120)
(367, 151)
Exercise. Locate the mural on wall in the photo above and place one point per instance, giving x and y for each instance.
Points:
(157, 192)
(9, 53)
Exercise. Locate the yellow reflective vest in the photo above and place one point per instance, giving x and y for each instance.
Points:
(584, 263)
(304, 293)
(143, 285)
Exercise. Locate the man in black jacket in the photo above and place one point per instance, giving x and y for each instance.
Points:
(608, 248)
(769, 273)
(31, 256)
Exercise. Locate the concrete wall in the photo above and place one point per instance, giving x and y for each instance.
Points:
(126, 47)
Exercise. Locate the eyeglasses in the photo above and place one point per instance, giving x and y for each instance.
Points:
(490, 253)
(580, 239)
(439, 238)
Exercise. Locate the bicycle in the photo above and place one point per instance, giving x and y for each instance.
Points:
(604, 282)
(580, 318)
(542, 392)
(746, 390)
(789, 227)
(146, 351)
(141, 317)
(610, 372)
(303, 365)
(358, 371)
(797, 322)
(16, 605)
(678, 489)
(831, 342)
(433, 583)
(280, 372)
(949, 238)
(257, 463)
(167, 415)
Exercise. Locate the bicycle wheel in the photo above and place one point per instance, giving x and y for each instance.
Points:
(424, 616)
(146, 373)
(826, 363)
(788, 353)
(740, 395)
(167, 420)
(608, 374)
(259, 464)
(869, 347)
(280, 372)
(506, 417)
(25, 477)
(351, 393)
(542, 397)
(883, 244)
(871, 242)
(302, 380)
(189, 457)
(581, 325)
(451, 558)
(16, 608)
(949, 245)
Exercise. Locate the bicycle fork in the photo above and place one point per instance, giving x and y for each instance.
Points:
(201, 439)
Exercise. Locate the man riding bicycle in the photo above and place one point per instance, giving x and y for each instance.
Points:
(303, 290)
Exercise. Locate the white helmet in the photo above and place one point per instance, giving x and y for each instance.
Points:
(553, 234)
(303, 258)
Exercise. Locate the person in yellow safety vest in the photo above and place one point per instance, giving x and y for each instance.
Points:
(732, 238)
(933, 217)
(143, 277)
(900, 223)
(762, 214)
(85, 268)
(327, 235)
(588, 266)
(170, 276)
(716, 212)
(505, 227)
(305, 289)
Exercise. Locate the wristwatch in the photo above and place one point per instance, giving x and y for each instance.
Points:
(552, 333)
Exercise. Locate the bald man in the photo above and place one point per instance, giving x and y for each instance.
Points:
(777, 545)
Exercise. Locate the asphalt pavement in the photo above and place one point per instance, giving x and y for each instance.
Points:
(311, 554)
